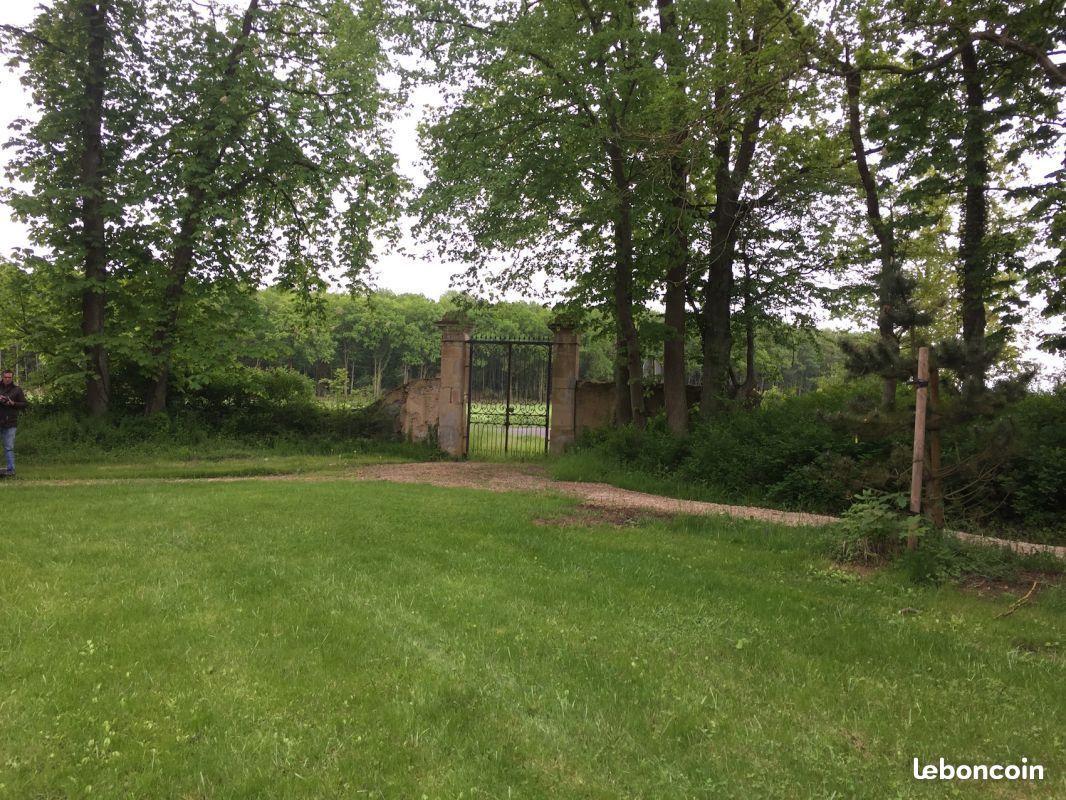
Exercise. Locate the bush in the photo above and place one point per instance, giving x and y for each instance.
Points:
(941, 558)
(803, 452)
(1006, 468)
(875, 527)
(304, 427)
(1034, 482)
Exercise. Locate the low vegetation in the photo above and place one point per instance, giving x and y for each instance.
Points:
(1005, 472)
(269, 421)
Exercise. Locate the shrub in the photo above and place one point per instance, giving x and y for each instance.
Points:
(1006, 468)
(1033, 483)
(874, 527)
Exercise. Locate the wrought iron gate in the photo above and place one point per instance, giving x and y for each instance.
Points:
(508, 406)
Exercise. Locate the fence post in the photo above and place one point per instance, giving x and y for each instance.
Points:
(454, 379)
(563, 387)
(918, 460)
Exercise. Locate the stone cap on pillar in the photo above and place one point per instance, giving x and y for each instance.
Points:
(564, 333)
(455, 325)
(564, 324)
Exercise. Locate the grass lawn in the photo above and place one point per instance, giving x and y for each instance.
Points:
(230, 466)
(214, 461)
(341, 639)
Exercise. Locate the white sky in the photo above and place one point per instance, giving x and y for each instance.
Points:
(401, 268)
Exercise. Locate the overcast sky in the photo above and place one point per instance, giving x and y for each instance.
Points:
(400, 268)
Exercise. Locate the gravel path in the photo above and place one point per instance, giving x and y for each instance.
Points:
(531, 478)
(496, 477)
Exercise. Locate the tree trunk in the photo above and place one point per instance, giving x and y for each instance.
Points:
(973, 261)
(211, 149)
(381, 363)
(623, 407)
(715, 330)
(164, 335)
(888, 284)
(747, 389)
(94, 297)
(674, 395)
(629, 354)
(376, 387)
(717, 334)
(629, 387)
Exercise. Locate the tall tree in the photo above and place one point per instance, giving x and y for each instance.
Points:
(282, 114)
(837, 51)
(79, 59)
(789, 261)
(979, 95)
(675, 394)
(538, 154)
(186, 145)
(753, 145)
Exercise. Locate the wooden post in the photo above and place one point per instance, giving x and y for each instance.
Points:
(918, 460)
(936, 487)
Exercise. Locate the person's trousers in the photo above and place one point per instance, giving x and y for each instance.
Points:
(8, 437)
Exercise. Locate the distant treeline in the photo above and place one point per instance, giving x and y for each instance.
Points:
(354, 347)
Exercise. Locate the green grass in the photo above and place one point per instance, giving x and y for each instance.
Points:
(340, 639)
(591, 466)
(216, 459)
(232, 466)
(487, 441)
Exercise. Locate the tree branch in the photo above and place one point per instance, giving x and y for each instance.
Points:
(33, 37)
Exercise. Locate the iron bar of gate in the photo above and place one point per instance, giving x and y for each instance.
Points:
(548, 402)
(507, 401)
(488, 435)
(469, 395)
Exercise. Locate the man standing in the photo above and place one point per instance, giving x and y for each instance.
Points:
(12, 400)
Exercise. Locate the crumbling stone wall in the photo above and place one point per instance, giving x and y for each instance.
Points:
(414, 408)
(595, 403)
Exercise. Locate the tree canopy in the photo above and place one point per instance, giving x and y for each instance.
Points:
(687, 177)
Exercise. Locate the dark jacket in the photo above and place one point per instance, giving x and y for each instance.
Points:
(9, 412)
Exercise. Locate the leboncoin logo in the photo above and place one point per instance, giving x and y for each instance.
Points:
(943, 771)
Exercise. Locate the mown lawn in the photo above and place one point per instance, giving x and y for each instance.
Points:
(344, 639)
(222, 466)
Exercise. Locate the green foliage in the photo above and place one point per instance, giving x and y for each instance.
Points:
(942, 558)
(821, 450)
(1036, 480)
(875, 526)
(263, 408)
(239, 145)
(798, 451)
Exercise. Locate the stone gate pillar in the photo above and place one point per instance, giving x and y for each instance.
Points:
(564, 387)
(454, 380)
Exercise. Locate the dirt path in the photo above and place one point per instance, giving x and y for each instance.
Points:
(532, 478)
(495, 477)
